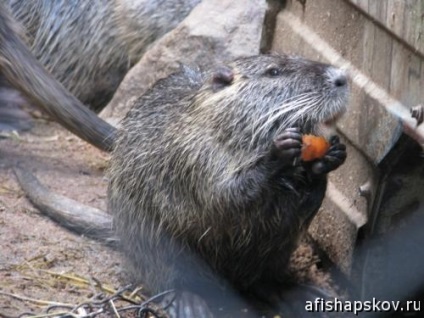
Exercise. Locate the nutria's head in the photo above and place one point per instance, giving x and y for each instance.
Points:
(254, 98)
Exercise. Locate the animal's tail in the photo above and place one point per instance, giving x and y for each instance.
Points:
(71, 214)
(27, 75)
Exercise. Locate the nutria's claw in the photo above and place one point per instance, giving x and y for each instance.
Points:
(288, 146)
(333, 159)
(334, 140)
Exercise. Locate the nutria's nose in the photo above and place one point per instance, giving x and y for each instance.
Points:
(340, 81)
(337, 77)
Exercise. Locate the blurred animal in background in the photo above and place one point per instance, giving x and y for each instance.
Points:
(87, 45)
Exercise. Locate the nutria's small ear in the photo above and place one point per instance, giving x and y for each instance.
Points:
(222, 76)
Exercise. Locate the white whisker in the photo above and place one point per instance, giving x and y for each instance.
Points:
(297, 109)
(288, 105)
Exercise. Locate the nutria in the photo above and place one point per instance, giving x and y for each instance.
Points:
(23, 72)
(207, 190)
(206, 170)
(89, 45)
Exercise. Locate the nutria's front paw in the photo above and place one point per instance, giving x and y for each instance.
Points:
(287, 147)
(334, 158)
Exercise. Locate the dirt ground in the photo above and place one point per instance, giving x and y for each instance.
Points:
(42, 264)
(33, 248)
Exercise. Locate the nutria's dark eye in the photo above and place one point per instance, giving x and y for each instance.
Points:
(273, 72)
